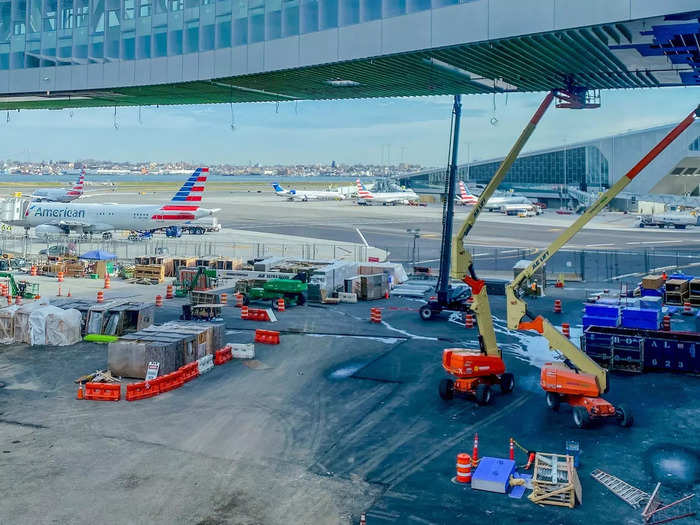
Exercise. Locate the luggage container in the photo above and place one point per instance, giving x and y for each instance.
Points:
(635, 350)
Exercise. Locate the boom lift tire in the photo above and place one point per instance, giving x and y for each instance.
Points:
(426, 313)
(507, 383)
(581, 417)
(625, 415)
(447, 389)
(483, 394)
(553, 401)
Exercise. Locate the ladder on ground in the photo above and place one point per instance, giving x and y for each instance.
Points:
(626, 492)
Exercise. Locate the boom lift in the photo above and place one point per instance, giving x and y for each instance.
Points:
(476, 372)
(578, 380)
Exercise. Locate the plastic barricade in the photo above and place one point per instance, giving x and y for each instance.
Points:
(169, 381)
(103, 392)
(257, 314)
(204, 364)
(222, 356)
(189, 372)
(141, 390)
(242, 350)
(267, 337)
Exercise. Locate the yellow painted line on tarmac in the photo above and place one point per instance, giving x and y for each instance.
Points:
(555, 229)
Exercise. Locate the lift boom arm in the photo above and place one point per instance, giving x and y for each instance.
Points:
(517, 309)
(461, 259)
(462, 267)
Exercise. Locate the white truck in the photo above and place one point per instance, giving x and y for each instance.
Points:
(667, 220)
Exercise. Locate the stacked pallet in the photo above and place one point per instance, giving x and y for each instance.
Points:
(212, 296)
(694, 292)
(156, 260)
(677, 291)
(555, 481)
(73, 268)
(183, 262)
(153, 272)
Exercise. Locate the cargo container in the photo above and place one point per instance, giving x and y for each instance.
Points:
(635, 350)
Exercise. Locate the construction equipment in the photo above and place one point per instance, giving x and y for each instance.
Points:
(24, 289)
(292, 291)
(184, 288)
(449, 298)
(476, 372)
(578, 380)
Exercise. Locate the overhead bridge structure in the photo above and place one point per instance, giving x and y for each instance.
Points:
(79, 53)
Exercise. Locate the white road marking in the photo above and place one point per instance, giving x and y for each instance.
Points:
(654, 242)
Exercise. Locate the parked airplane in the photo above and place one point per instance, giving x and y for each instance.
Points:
(366, 197)
(497, 202)
(305, 195)
(465, 198)
(53, 218)
(60, 194)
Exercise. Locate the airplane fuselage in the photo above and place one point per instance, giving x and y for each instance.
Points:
(54, 195)
(94, 217)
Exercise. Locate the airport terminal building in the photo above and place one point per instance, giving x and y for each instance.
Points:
(590, 166)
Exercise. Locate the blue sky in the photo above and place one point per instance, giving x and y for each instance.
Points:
(357, 131)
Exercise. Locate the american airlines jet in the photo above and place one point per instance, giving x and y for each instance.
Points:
(61, 194)
(465, 198)
(52, 218)
(366, 197)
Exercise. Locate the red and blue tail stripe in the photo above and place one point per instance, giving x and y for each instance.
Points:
(191, 191)
(77, 189)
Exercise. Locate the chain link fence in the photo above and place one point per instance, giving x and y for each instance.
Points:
(125, 249)
(576, 265)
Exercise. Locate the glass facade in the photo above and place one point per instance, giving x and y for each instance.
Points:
(583, 166)
(695, 145)
(36, 33)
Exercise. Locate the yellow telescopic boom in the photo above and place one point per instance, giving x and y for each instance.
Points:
(517, 309)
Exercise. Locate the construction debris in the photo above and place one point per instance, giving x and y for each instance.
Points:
(555, 481)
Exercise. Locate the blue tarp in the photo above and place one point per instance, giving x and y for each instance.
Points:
(98, 255)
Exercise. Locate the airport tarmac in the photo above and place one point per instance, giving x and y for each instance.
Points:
(385, 226)
(342, 418)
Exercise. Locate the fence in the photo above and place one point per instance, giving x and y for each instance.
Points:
(582, 265)
(201, 247)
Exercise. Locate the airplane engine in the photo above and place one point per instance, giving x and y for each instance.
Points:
(48, 229)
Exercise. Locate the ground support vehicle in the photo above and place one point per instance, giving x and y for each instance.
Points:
(292, 291)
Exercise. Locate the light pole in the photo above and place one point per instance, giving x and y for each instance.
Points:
(415, 232)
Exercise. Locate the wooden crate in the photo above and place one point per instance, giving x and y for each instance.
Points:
(677, 285)
(652, 282)
(555, 481)
(183, 262)
(676, 298)
(155, 272)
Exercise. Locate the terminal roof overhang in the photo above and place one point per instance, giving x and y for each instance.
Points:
(610, 56)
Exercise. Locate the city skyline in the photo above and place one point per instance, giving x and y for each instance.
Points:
(368, 131)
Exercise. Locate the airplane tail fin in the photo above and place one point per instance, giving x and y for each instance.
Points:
(78, 187)
(277, 188)
(187, 198)
(363, 192)
(465, 195)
